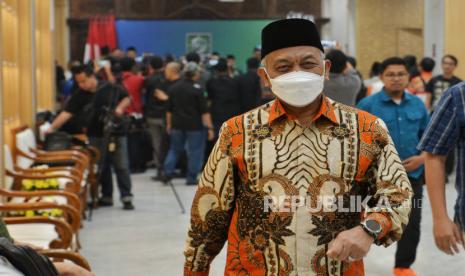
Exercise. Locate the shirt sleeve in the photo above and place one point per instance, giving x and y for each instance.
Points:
(212, 209)
(4, 230)
(442, 132)
(169, 105)
(123, 93)
(209, 89)
(74, 104)
(202, 103)
(391, 202)
(430, 86)
(353, 80)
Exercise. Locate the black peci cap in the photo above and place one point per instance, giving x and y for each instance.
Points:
(289, 33)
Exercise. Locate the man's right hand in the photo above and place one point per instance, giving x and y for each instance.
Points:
(447, 236)
(168, 129)
(48, 131)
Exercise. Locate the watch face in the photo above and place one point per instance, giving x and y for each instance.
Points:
(373, 225)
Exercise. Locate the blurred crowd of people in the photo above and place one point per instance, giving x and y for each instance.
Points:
(184, 101)
(178, 105)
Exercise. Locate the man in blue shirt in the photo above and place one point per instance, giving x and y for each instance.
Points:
(406, 118)
(445, 132)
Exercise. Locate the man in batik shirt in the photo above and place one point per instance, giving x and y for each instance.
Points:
(301, 147)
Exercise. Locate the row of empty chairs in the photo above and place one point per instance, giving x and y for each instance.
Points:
(54, 216)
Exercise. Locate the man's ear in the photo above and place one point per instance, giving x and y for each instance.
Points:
(264, 77)
(327, 68)
(381, 77)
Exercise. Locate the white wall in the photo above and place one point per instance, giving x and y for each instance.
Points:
(434, 31)
(342, 23)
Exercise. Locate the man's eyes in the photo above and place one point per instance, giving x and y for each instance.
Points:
(308, 64)
(283, 68)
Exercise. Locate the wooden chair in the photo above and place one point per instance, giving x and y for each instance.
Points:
(83, 160)
(69, 178)
(60, 255)
(44, 232)
(26, 153)
(69, 196)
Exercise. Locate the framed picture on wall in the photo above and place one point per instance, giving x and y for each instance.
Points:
(200, 43)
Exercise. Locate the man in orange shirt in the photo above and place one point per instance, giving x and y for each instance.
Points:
(274, 178)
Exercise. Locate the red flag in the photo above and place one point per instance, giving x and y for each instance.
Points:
(111, 32)
(92, 48)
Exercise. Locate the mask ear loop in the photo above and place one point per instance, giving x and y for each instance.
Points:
(266, 72)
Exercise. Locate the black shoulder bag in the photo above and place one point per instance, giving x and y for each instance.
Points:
(26, 260)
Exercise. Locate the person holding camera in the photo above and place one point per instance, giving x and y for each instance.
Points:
(99, 108)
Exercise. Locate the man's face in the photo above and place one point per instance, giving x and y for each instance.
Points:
(86, 83)
(231, 62)
(299, 58)
(117, 53)
(395, 78)
(131, 54)
(448, 66)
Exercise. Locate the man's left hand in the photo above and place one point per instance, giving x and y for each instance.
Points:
(119, 112)
(350, 245)
(211, 135)
(413, 163)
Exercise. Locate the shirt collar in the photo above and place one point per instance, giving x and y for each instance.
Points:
(405, 97)
(326, 110)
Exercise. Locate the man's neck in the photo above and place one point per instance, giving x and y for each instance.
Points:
(304, 114)
(395, 95)
(175, 78)
(447, 76)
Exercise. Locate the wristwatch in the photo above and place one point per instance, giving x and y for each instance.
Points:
(372, 228)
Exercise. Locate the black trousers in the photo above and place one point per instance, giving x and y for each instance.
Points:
(407, 246)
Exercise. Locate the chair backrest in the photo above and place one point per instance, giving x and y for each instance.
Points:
(25, 140)
(9, 165)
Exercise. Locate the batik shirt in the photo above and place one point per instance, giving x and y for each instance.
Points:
(268, 153)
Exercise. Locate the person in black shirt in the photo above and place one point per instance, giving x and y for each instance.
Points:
(224, 95)
(436, 87)
(186, 120)
(89, 104)
(249, 86)
(204, 74)
(439, 84)
(233, 72)
(157, 105)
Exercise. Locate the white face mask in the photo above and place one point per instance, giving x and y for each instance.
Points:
(298, 88)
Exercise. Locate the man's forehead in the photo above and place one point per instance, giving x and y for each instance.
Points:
(396, 67)
(295, 52)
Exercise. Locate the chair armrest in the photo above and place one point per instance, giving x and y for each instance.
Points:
(18, 177)
(73, 199)
(53, 159)
(62, 154)
(72, 170)
(72, 215)
(58, 152)
(67, 255)
(62, 227)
